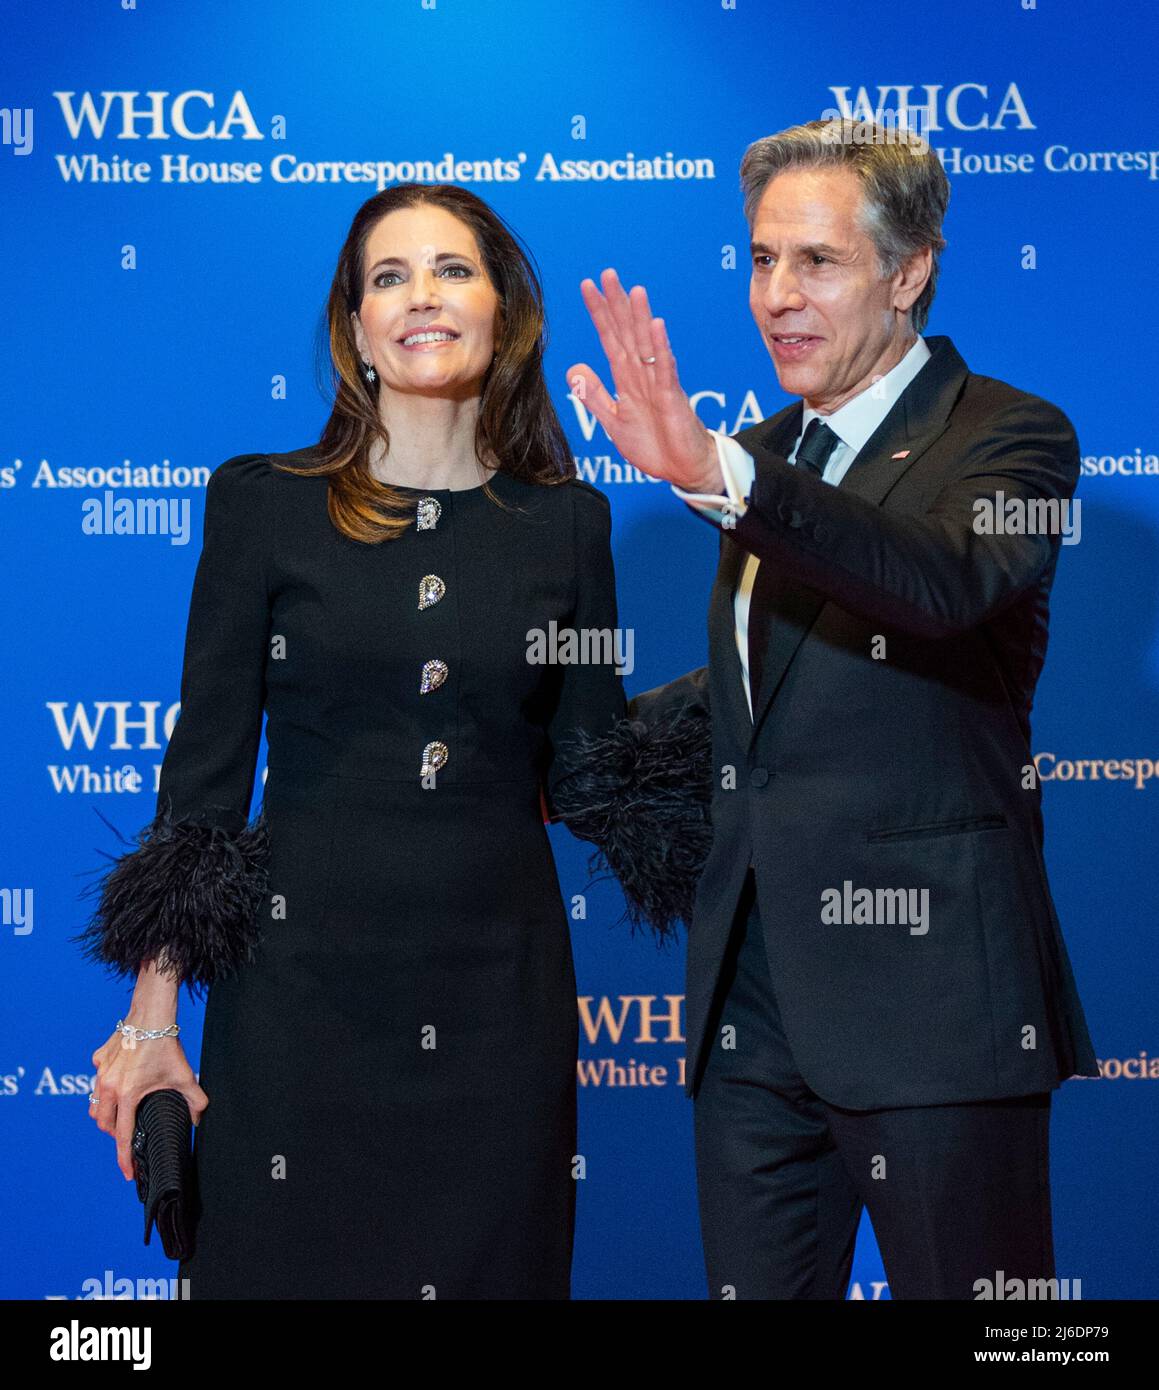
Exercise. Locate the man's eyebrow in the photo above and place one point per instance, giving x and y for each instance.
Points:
(814, 248)
(442, 256)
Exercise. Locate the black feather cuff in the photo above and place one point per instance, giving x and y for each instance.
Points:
(642, 793)
(187, 899)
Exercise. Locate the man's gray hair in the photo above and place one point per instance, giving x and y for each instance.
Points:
(904, 188)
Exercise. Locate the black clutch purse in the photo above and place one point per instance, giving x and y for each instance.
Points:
(163, 1168)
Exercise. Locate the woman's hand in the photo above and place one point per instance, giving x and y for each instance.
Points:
(126, 1072)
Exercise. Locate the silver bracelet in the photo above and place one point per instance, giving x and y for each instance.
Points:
(142, 1034)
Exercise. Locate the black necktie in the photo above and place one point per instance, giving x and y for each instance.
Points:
(817, 443)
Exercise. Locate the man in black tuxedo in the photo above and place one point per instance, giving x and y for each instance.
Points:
(879, 999)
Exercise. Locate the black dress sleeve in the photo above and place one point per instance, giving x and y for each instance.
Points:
(188, 897)
(634, 780)
(591, 694)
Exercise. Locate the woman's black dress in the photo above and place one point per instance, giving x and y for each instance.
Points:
(391, 1075)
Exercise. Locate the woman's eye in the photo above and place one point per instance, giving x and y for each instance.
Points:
(382, 275)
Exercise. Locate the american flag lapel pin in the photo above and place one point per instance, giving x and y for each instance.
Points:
(901, 454)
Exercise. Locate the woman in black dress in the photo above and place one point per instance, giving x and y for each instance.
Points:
(387, 1106)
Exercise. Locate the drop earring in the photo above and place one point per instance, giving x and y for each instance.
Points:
(371, 374)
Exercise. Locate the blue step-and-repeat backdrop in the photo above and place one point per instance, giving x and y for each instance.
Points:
(176, 182)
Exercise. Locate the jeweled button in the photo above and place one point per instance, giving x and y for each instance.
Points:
(434, 674)
(435, 756)
(431, 589)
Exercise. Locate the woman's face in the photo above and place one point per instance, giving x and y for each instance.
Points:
(423, 273)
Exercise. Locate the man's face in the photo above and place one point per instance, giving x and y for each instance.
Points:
(815, 277)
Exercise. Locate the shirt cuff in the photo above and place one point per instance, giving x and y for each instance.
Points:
(739, 470)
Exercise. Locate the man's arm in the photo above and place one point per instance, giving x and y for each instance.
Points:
(929, 575)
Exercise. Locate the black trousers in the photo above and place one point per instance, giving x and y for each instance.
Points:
(956, 1193)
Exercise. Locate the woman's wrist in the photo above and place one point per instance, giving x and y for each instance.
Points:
(154, 1003)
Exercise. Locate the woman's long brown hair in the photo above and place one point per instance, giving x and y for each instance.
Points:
(517, 426)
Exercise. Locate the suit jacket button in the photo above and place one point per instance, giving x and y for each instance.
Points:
(759, 776)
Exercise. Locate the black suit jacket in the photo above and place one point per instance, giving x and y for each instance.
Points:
(897, 769)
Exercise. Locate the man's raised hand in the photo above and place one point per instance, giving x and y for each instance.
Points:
(650, 420)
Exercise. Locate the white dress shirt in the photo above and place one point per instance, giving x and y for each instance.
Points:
(853, 423)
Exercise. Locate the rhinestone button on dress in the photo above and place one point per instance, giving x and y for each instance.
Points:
(434, 674)
(435, 756)
(431, 589)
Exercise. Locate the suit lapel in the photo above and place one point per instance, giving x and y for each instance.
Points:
(916, 419)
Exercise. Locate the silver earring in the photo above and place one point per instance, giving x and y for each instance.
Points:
(371, 374)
